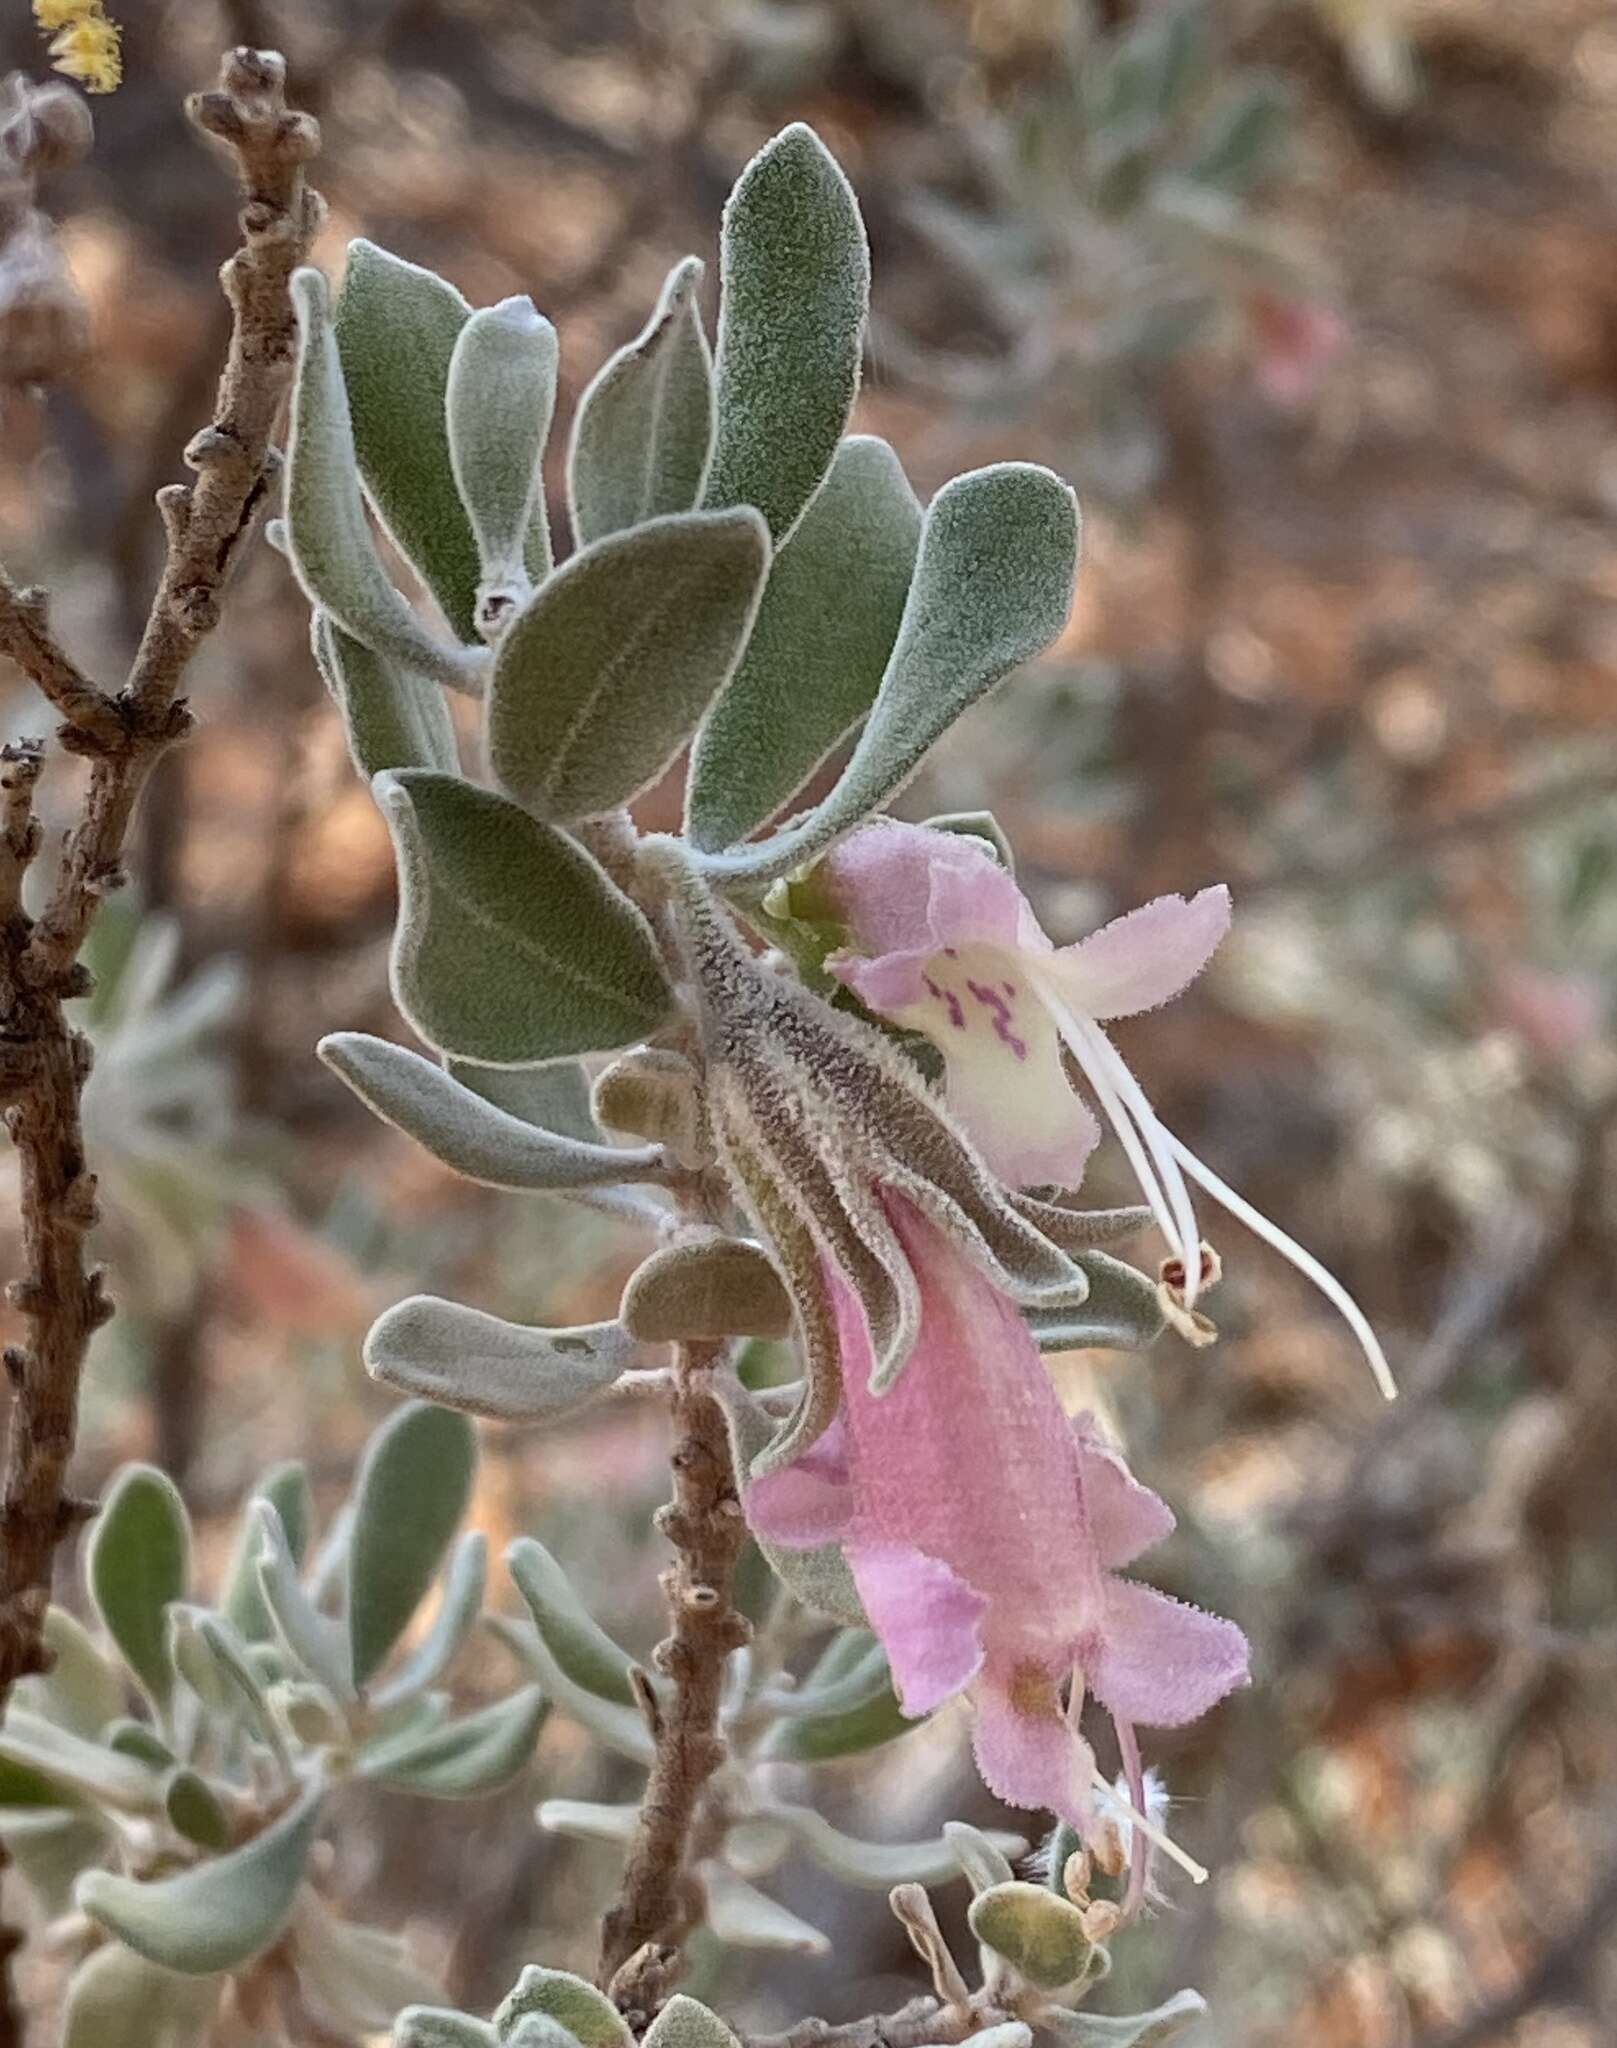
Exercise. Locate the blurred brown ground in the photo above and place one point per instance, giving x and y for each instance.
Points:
(1358, 659)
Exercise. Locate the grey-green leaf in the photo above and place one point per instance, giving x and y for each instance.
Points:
(1039, 1935)
(216, 1914)
(587, 2014)
(992, 587)
(425, 2026)
(685, 2023)
(460, 1599)
(740, 1914)
(512, 946)
(469, 1133)
(501, 392)
(794, 295)
(818, 651)
(578, 1643)
(619, 1728)
(193, 1808)
(819, 1738)
(311, 1639)
(705, 1290)
(643, 431)
(82, 1691)
(554, 1097)
(327, 531)
(116, 1999)
(394, 715)
(411, 1493)
(879, 1865)
(1122, 1310)
(77, 1767)
(397, 326)
(442, 1351)
(466, 1758)
(984, 1863)
(286, 1488)
(1154, 2029)
(602, 678)
(139, 1559)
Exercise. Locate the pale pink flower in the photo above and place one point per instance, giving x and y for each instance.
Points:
(984, 1532)
(1297, 341)
(944, 943)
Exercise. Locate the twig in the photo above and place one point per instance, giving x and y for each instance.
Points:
(43, 1061)
(658, 1900)
(923, 2020)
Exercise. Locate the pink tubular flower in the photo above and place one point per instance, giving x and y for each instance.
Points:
(943, 942)
(983, 1531)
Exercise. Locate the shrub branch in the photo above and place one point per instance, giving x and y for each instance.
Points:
(44, 1062)
(659, 1899)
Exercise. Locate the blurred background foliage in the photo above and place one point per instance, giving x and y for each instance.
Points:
(1314, 301)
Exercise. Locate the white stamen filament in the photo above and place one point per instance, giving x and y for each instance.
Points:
(1305, 1262)
(1160, 1147)
(1175, 1219)
(1196, 1872)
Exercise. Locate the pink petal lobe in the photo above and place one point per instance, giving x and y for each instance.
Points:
(1143, 958)
(928, 1618)
(1126, 1517)
(1025, 1751)
(1161, 1662)
(900, 886)
(808, 1502)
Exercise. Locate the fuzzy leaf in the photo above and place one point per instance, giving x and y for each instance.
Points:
(880, 1865)
(48, 1849)
(218, 1913)
(425, 2026)
(1120, 1312)
(76, 1766)
(468, 1133)
(1154, 2029)
(326, 529)
(411, 1493)
(655, 1093)
(512, 946)
(1040, 1936)
(620, 1728)
(818, 651)
(705, 1290)
(231, 1655)
(984, 1864)
(587, 2014)
(397, 326)
(393, 714)
(500, 394)
(286, 1488)
(577, 1642)
(357, 1975)
(586, 1820)
(536, 2030)
(137, 1560)
(463, 1759)
(837, 1731)
(82, 1691)
(442, 1351)
(820, 1577)
(748, 1918)
(459, 1604)
(992, 587)
(554, 1098)
(794, 293)
(129, 1737)
(315, 1643)
(601, 679)
(643, 431)
(193, 1808)
(685, 2023)
(116, 1999)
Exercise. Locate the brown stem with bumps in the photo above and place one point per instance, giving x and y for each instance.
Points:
(43, 1061)
(659, 1899)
